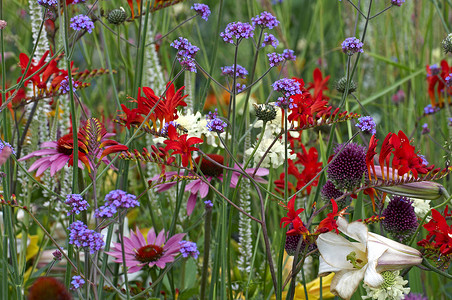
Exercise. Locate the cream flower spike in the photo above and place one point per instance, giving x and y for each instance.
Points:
(365, 259)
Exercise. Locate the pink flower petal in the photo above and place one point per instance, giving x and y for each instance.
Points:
(203, 190)
(191, 203)
(160, 240)
(42, 168)
(58, 164)
(151, 236)
(38, 163)
(50, 144)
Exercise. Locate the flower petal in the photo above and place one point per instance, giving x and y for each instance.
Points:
(345, 283)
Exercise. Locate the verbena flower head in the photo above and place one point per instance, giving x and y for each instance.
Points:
(236, 31)
(77, 204)
(216, 125)
(275, 59)
(347, 170)
(6, 144)
(82, 22)
(208, 203)
(48, 3)
(288, 54)
(392, 287)
(397, 2)
(202, 10)
(77, 282)
(64, 85)
(265, 20)
(400, 218)
(48, 288)
(57, 255)
(155, 250)
(269, 39)
(82, 237)
(351, 46)
(285, 102)
(114, 201)
(425, 129)
(367, 125)
(188, 248)
(288, 87)
(241, 72)
(433, 70)
(185, 53)
(430, 110)
(448, 80)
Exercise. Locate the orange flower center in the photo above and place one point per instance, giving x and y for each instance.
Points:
(148, 253)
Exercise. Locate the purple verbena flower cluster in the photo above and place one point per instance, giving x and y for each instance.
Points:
(425, 129)
(57, 255)
(185, 53)
(275, 59)
(214, 123)
(202, 9)
(77, 282)
(285, 102)
(367, 125)
(430, 110)
(397, 2)
(239, 88)
(64, 85)
(269, 39)
(434, 70)
(6, 144)
(237, 31)
(448, 80)
(288, 87)
(165, 126)
(77, 204)
(265, 20)
(289, 55)
(48, 3)
(208, 204)
(82, 22)
(424, 160)
(351, 46)
(82, 237)
(240, 71)
(188, 248)
(115, 200)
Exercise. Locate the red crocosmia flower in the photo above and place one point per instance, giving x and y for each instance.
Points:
(438, 242)
(131, 116)
(370, 156)
(319, 85)
(292, 214)
(181, 145)
(329, 223)
(438, 82)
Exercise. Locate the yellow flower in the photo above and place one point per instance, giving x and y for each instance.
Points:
(313, 289)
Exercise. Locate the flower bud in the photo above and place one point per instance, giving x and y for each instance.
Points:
(265, 112)
(341, 85)
(117, 16)
(447, 43)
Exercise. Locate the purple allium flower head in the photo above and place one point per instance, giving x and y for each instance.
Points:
(237, 30)
(208, 204)
(275, 59)
(400, 219)
(241, 72)
(425, 129)
(48, 3)
(202, 10)
(434, 70)
(292, 244)
(288, 87)
(448, 80)
(367, 125)
(351, 46)
(289, 55)
(397, 2)
(6, 144)
(265, 20)
(430, 110)
(188, 248)
(82, 237)
(412, 296)
(57, 255)
(64, 85)
(82, 22)
(347, 170)
(329, 191)
(77, 282)
(269, 39)
(77, 204)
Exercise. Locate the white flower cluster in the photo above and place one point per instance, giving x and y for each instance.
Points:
(393, 290)
(421, 207)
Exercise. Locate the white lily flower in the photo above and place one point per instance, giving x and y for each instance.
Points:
(365, 259)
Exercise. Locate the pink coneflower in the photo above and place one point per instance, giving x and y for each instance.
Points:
(210, 171)
(157, 251)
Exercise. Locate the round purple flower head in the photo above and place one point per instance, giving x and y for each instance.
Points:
(288, 87)
(77, 204)
(275, 59)
(397, 2)
(48, 3)
(188, 248)
(82, 237)
(347, 170)
(77, 282)
(202, 10)
(265, 20)
(351, 46)
(448, 80)
(289, 55)
(367, 125)
(64, 85)
(400, 219)
(292, 244)
(329, 191)
(240, 71)
(269, 39)
(82, 22)
(430, 110)
(237, 30)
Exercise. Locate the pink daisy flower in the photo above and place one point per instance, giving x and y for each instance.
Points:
(156, 251)
(210, 171)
